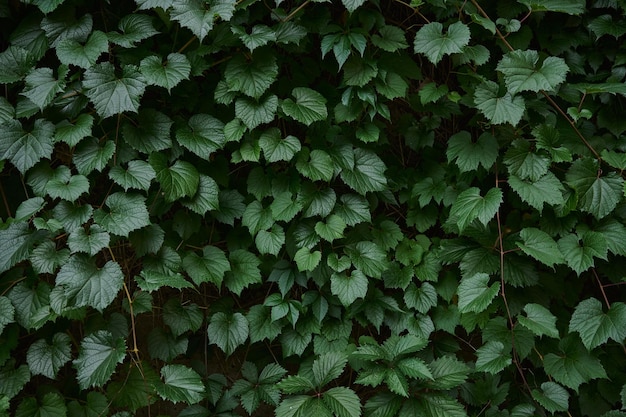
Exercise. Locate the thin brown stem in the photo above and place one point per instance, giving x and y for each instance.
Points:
(292, 14)
(606, 299)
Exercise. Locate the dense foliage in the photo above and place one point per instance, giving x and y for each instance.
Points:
(304, 208)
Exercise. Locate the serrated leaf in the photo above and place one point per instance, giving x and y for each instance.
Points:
(309, 106)
(498, 108)
(7, 312)
(285, 207)
(552, 397)
(15, 63)
(475, 294)
(270, 241)
(180, 384)
(470, 155)
(149, 132)
(98, 357)
(316, 165)
(522, 73)
(470, 205)
(448, 372)
(572, 7)
(539, 320)
(547, 189)
(88, 284)
(90, 155)
(211, 267)
(73, 133)
(203, 135)
(138, 175)
(72, 52)
(42, 87)
(307, 260)
(164, 345)
(368, 173)
(181, 179)
(153, 280)
(168, 74)
(254, 113)
(65, 186)
(251, 76)
(13, 379)
(276, 148)
(112, 94)
(195, 15)
(597, 194)
(260, 35)
(228, 331)
(343, 402)
(331, 229)
(605, 25)
(349, 287)
(206, 198)
(432, 42)
(90, 240)
(244, 271)
(351, 6)
(125, 212)
(133, 28)
(595, 326)
(368, 258)
(51, 405)
(420, 298)
(540, 246)
(25, 148)
(390, 38)
(32, 305)
(182, 318)
(492, 358)
(47, 359)
(573, 365)
(579, 251)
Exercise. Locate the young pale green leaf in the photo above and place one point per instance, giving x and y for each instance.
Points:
(112, 94)
(51, 405)
(125, 212)
(309, 106)
(349, 287)
(203, 135)
(254, 113)
(342, 401)
(168, 74)
(547, 189)
(210, 267)
(316, 165)
(307, 260)
(597, 194)
(42, 87)
(180, 384)
(498, 108)
(251, 76)
(72, 52)
(149, 132)
(228, 331)
(276, 148)
(552, 397)
(90, 240)
(270, 241)
(98, 357)
(432, 42)
(89, 284)
(475, 294)
(579, 251)
(470, 205)
(468, 154)
(492, 357)
(47, 359)
(572, 7)
(244, 271)
(595, 326)
(138, 175)
(133, 28)
(539, 320)
(368, 173)
(540, 246)
(25, 148)
(181, 179)
(573, 365)
(90, 155)
(521, 71)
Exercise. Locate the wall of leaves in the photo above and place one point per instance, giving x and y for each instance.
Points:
(309, 208)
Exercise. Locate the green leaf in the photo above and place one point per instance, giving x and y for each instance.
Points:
(149, 132)
(328, 367)
(165, 346)
(368, 258)
(25, 148)
(420, 298)
(539, 320)
(597, 194)
(270, 241)
(180, 384)
(125, 212)
(315, 165)
(91, 155)
(257, 218)
(498, 108)
(552, 397)
(596, 327)
(181, 179)
(7, 312)
(604, 25)
(475, 294)
(540, 246)
(13, 380)
(331, 229)
(284, 207)
(91, 240)
(525, 163)
(368, 173)
(73, 133)
(168, 74)
(182, 318)
(153, 280)
(521, 71)
(47, 359)
(228, 331)
(98, 357)
(572, 7)
(251, 76)
(133, 28)
(491, 357)
(51, 405)
(309, 106)
(194, 15)
(206, 198)
(470, 155)
(16, 244)
(343, 402)
(244, 271)
(111, 94)
(211, 267)
(547, 189)
(147, 240)
(573, 365)
(368, 132)
(88, 284)
(138, 175)
(15, 63)
(137, 390)
(277, 149)
(390, 38)
(203, 135)
(349, 287)
(579, 251)
(307, 260)
(42, 87)
(432, 42)
(260, 35)
(66, 186)
(254, 113)
(293, 406)
(32, 305)
(72, 52)
(470, 205)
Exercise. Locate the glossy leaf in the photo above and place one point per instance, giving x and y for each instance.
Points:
(98, 357)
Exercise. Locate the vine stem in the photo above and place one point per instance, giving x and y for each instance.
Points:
(4, 200)
(292, 14)
(135, 349)
(606, 299)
